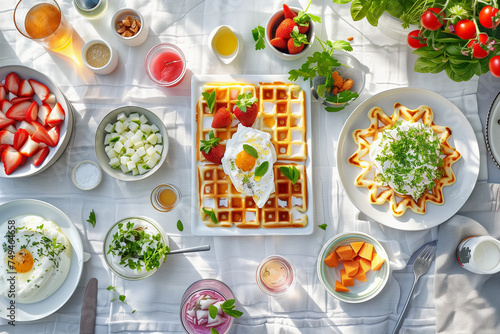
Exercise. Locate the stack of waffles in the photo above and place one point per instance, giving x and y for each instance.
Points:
(282, 113)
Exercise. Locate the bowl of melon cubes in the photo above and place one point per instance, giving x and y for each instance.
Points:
(353, 267)
(131, 143)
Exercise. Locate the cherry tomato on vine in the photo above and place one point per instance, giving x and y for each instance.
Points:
(486, 16)
(430, 20)
(477, 51)
(414, 41)
(465, 29)
(494, 66)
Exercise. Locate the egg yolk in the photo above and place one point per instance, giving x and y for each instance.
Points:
(244, 161)
(23, 261)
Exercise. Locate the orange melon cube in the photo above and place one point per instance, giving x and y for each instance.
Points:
(356, 246)
(366, 252)
(346, 280)
(364, 265)
(332, 260)
(351, 267)
(360, 275)
(345, 252)
(377, 262)
(340, 288)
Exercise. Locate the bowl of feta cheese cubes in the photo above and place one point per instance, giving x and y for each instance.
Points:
(131, 143)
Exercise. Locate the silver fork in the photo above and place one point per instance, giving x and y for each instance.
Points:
(420, 267)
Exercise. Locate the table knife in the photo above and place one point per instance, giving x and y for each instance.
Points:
(87, 319)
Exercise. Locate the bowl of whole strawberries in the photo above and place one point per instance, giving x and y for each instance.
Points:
(290, 32)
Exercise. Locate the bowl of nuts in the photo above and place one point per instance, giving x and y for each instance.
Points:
(130, 27)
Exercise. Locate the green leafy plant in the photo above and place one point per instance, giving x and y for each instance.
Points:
(291, 173)
(323, 226)
(92, 219)
(322, 64)
(180, 227)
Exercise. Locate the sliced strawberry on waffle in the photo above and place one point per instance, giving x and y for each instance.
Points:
(29, 148)
(18, 111)
(6, 137)
(12, 82)
(56, 116)
(11, 159)
(40, 156)
(222, 118)
(246, 109)
(40, 89)
(20, 137)
(25, 89)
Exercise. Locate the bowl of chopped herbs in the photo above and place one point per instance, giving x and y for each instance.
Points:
(337, 78)
(135, 247)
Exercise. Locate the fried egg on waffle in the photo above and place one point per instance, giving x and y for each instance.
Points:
(380, 193)
(282, 114)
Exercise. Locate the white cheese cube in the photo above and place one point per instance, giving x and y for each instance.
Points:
(135, 171)
(130, 151)
(119, 127)
(141, 151)
(134, 116)
(121, 117)
(131, 165)
(129, 134)
(114, 162)
(128, 143)
(118, 146)
(138, 145)
(150, 151)
(159, 148)
(109, 128)
(154, 128)
(111, 153)
(135, 157)
(146, 128)
(133, 126)
(124, 159)
(143, 119)
(124, 168)
(136, 139)
(160, 138)
(152, 139)
(151, 163)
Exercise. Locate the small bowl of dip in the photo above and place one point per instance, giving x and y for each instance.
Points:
(99, 56)
(165, 65)
(86, 175)
(276, 275)
(120, 247)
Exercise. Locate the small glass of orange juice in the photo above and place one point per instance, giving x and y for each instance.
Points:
(165, 197)
(43, 22)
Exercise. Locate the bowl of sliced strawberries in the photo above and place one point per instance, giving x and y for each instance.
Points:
(36, 122)
(290, 32)
(353, 267)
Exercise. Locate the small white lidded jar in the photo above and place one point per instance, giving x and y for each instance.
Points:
(479, 254)
(86, 175)
(99, 56)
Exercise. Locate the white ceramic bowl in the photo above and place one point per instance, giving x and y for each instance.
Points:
(110, 65)
(140, 36)
(212, 40)
(361, 291)
(103, 158)
(125, 272)
(273, 23)
(44, 308)
(66, 127)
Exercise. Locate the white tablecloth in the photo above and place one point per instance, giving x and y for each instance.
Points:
(187, 24)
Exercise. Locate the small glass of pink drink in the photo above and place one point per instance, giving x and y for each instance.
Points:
(165, 64)
(276, 275)
(195, 303)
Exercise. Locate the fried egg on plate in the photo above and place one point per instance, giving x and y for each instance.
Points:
(37, 254)
(249, 160)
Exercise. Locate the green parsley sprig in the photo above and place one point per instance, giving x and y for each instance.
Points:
(117, 296)
(226, 307)
(92, 218)
(138, 249)
(291, 173)
(259, 34)
(210, 98)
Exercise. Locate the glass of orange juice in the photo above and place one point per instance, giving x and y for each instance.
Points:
(165, 197)
(42, 21)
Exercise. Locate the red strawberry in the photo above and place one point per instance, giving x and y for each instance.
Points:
(4, 121)
(56, 116)
(5, 105)
(25, 89)
(43, 113)
(285, 28)
(211, 149)
(51, 99)
(18, 111)
(29, 148)
(3, 147)
(246, 109)
(54, 134)
(304, 28)
(11, 159)
(3, 92)
(292, 49)
(12, 82)
(30, 127)
(32, 112)
(20, 137)
(222, 118)
(279, 43)
(10, 128)
(42, 136)
(40, 156)
(40, 89)
(6, 137)
(289, 14)
(18, 99)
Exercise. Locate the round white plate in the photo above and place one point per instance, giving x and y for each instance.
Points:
(493, 131)
(361, 291)
(66, 129)
(29, 312)
(463, 139)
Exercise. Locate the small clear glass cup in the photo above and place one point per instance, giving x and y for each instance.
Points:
(211, 287)
(276, 275)
(165, 197)
(91, 9)
(43, 22)
(165, 65)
